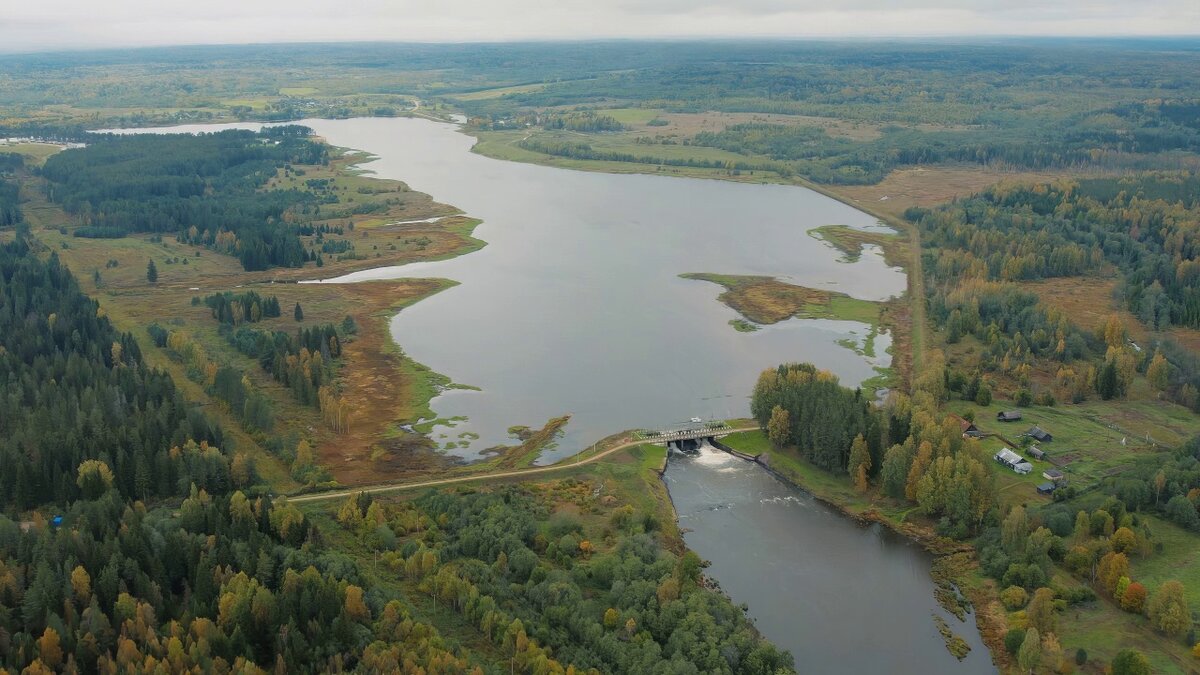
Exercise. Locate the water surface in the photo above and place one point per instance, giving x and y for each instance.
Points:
(842, 597)
(575, 305)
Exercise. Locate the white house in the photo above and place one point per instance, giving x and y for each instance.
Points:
(1013, 461)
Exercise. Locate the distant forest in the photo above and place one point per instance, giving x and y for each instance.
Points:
(206, 188)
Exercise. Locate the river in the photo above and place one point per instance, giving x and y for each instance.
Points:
(842, 597)
(575, 306)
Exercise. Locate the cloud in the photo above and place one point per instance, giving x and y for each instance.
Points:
(65, 24)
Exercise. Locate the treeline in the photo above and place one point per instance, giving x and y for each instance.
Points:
(73, 388)
(10, 198)
(10, 203)
(302, 362)
(227, 383)
(1147, 226)
(912, 453)
(586, 151)
(549, 599)
(233, 309)
(207, 188)
(586, 121)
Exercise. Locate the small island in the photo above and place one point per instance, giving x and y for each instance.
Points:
(766, 300)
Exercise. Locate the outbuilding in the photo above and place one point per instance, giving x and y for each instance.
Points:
(1046, 488)
(1053, 475)
(1039, 434)
(968, 428)
(1037, 453)
(1008, 416)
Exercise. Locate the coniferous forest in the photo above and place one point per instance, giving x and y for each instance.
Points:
(206, 188)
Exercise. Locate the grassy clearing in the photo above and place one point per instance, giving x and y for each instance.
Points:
(496, 92)
(753, 443)
(34, 153)
(632, 116)
(764, 300)
(1103, 630)
(1179, 559)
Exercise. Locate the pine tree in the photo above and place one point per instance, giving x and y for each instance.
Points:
(151, 272)
(298, 313)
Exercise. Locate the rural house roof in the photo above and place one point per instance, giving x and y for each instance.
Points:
(1008, 415)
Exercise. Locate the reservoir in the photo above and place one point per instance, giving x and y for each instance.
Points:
(575, 306)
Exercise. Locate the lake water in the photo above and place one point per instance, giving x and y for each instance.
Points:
(576, 307)
(842, 597)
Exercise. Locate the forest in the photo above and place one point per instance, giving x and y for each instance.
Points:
(76, 390)
(1143, 227)
(549, 597)
(913, 451)
(206, 188)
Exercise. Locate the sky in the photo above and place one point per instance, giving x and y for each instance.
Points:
(76, 24)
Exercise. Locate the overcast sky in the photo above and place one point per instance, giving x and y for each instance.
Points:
(35, 25)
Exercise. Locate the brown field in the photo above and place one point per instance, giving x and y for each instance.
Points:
(930, 186)
(686, 125)
(1088, 301)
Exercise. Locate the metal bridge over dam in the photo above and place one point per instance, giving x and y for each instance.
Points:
(687, 438)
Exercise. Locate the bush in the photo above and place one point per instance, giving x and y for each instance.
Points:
(1014, 598)
(1013, 639)
(1024, 398)
(1080, 656)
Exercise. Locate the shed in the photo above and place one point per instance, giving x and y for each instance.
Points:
(968, 428)
(1008, 416)
(1039, 434)
(1053, 475)
(1046, 488)
(1037, 453)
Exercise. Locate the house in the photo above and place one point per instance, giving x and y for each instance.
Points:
(1037, 453)
(1039, 434)
(1008, 416)
(1053, 475)
(1013, 461)
(968, 428)
(1046, 488)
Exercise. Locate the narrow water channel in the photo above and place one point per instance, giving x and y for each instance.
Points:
(841, 596)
